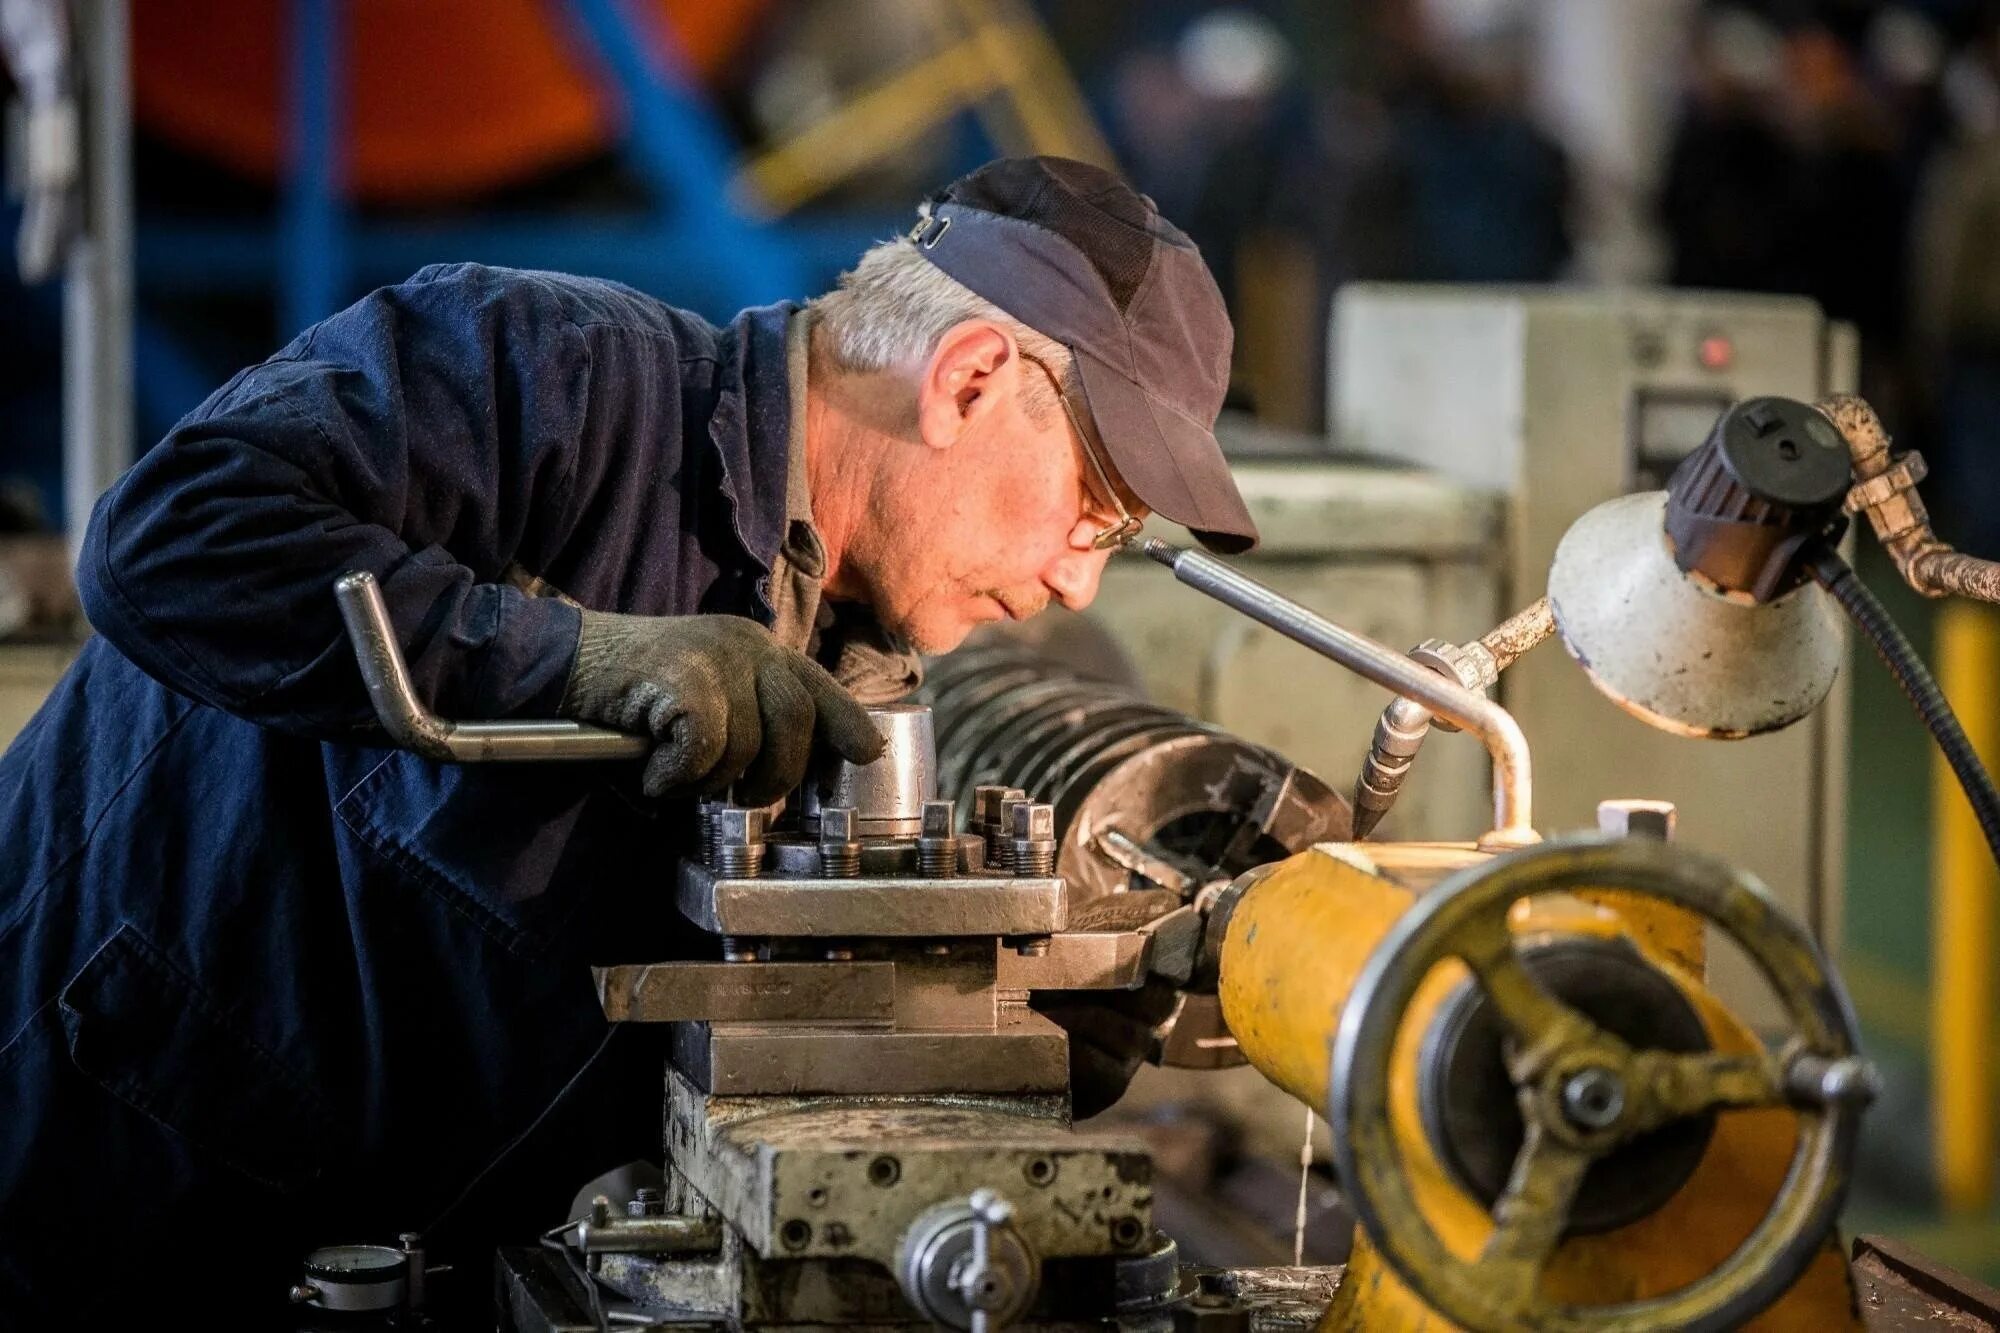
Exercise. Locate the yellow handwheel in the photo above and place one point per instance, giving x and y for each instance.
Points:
(1584, 1092)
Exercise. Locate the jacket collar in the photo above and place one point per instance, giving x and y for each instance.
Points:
(751, 427)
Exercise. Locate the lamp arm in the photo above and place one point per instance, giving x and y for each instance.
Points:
(1885, 489)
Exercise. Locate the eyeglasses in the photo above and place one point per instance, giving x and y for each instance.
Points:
(1127, 526)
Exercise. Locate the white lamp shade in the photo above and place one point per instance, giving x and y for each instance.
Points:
(1682, 656)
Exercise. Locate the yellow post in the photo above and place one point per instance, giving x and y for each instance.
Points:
(1964, 889)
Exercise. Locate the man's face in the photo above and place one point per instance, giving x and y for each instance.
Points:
(994, 511)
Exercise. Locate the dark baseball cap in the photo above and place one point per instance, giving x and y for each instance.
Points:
(1076, 254)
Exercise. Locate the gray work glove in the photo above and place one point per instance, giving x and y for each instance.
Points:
(724, 702)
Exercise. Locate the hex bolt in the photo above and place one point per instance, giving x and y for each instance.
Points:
(1033, 844)
(1593, 1098)
(738, 950)
(1637, 819)
(839, 849)
(651, 1201)
(937, 844)
(1000, 838)
(1815, 1080)
(985, 810)
(711, 832)
(740, 834)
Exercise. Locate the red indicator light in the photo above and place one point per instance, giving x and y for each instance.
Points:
(1716, 352)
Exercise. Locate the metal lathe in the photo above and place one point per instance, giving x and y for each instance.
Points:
(1543, 1116)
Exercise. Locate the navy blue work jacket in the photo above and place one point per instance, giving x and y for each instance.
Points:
(265, 983)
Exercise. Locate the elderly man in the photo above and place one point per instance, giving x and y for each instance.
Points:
(269, 983)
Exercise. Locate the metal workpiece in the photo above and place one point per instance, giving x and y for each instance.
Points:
(1885, 489)
(1513, 782)
(888, 795)
(839, 847)
(901, 905)
(748, 991)
(1122, 849)
(802, 1178)
(413, 727)
(937, 842)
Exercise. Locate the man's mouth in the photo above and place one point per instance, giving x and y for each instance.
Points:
(1019, 610)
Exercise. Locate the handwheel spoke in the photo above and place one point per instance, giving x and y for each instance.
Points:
(1539, 1023)
(1674, 1087)
(1529, 1217)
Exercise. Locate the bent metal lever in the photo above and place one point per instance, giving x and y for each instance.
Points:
(415, 728)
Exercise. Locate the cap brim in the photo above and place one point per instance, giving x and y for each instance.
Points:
(1171, 462)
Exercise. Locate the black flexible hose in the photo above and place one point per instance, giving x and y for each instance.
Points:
(1838, 577)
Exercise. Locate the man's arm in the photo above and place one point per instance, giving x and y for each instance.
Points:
(426, 434)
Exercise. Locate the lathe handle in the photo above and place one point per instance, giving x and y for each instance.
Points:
(416, 728)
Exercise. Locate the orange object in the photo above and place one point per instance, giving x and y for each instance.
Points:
(1298, 939)
(441, 98)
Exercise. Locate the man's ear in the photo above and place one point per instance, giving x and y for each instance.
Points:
(973, 360)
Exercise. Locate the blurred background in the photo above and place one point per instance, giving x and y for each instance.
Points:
(249, 166)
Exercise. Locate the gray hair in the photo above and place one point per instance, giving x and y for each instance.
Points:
(894, 305)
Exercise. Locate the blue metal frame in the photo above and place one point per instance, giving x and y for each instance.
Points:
(311, 222)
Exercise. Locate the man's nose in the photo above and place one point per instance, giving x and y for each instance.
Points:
(1073, 577)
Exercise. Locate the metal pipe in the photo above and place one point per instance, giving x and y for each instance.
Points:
(1400, 733)
(1519, 634)
(1513, 783)
(414, 727)
(1885, 489)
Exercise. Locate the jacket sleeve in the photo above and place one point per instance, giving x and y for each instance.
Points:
(427, 434)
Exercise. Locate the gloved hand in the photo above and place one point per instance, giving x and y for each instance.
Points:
(1112, 1033)
(724, 702)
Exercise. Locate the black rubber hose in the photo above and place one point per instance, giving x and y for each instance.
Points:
(1838, 577)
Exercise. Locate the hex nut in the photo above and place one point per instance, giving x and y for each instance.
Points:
(1637, 819)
